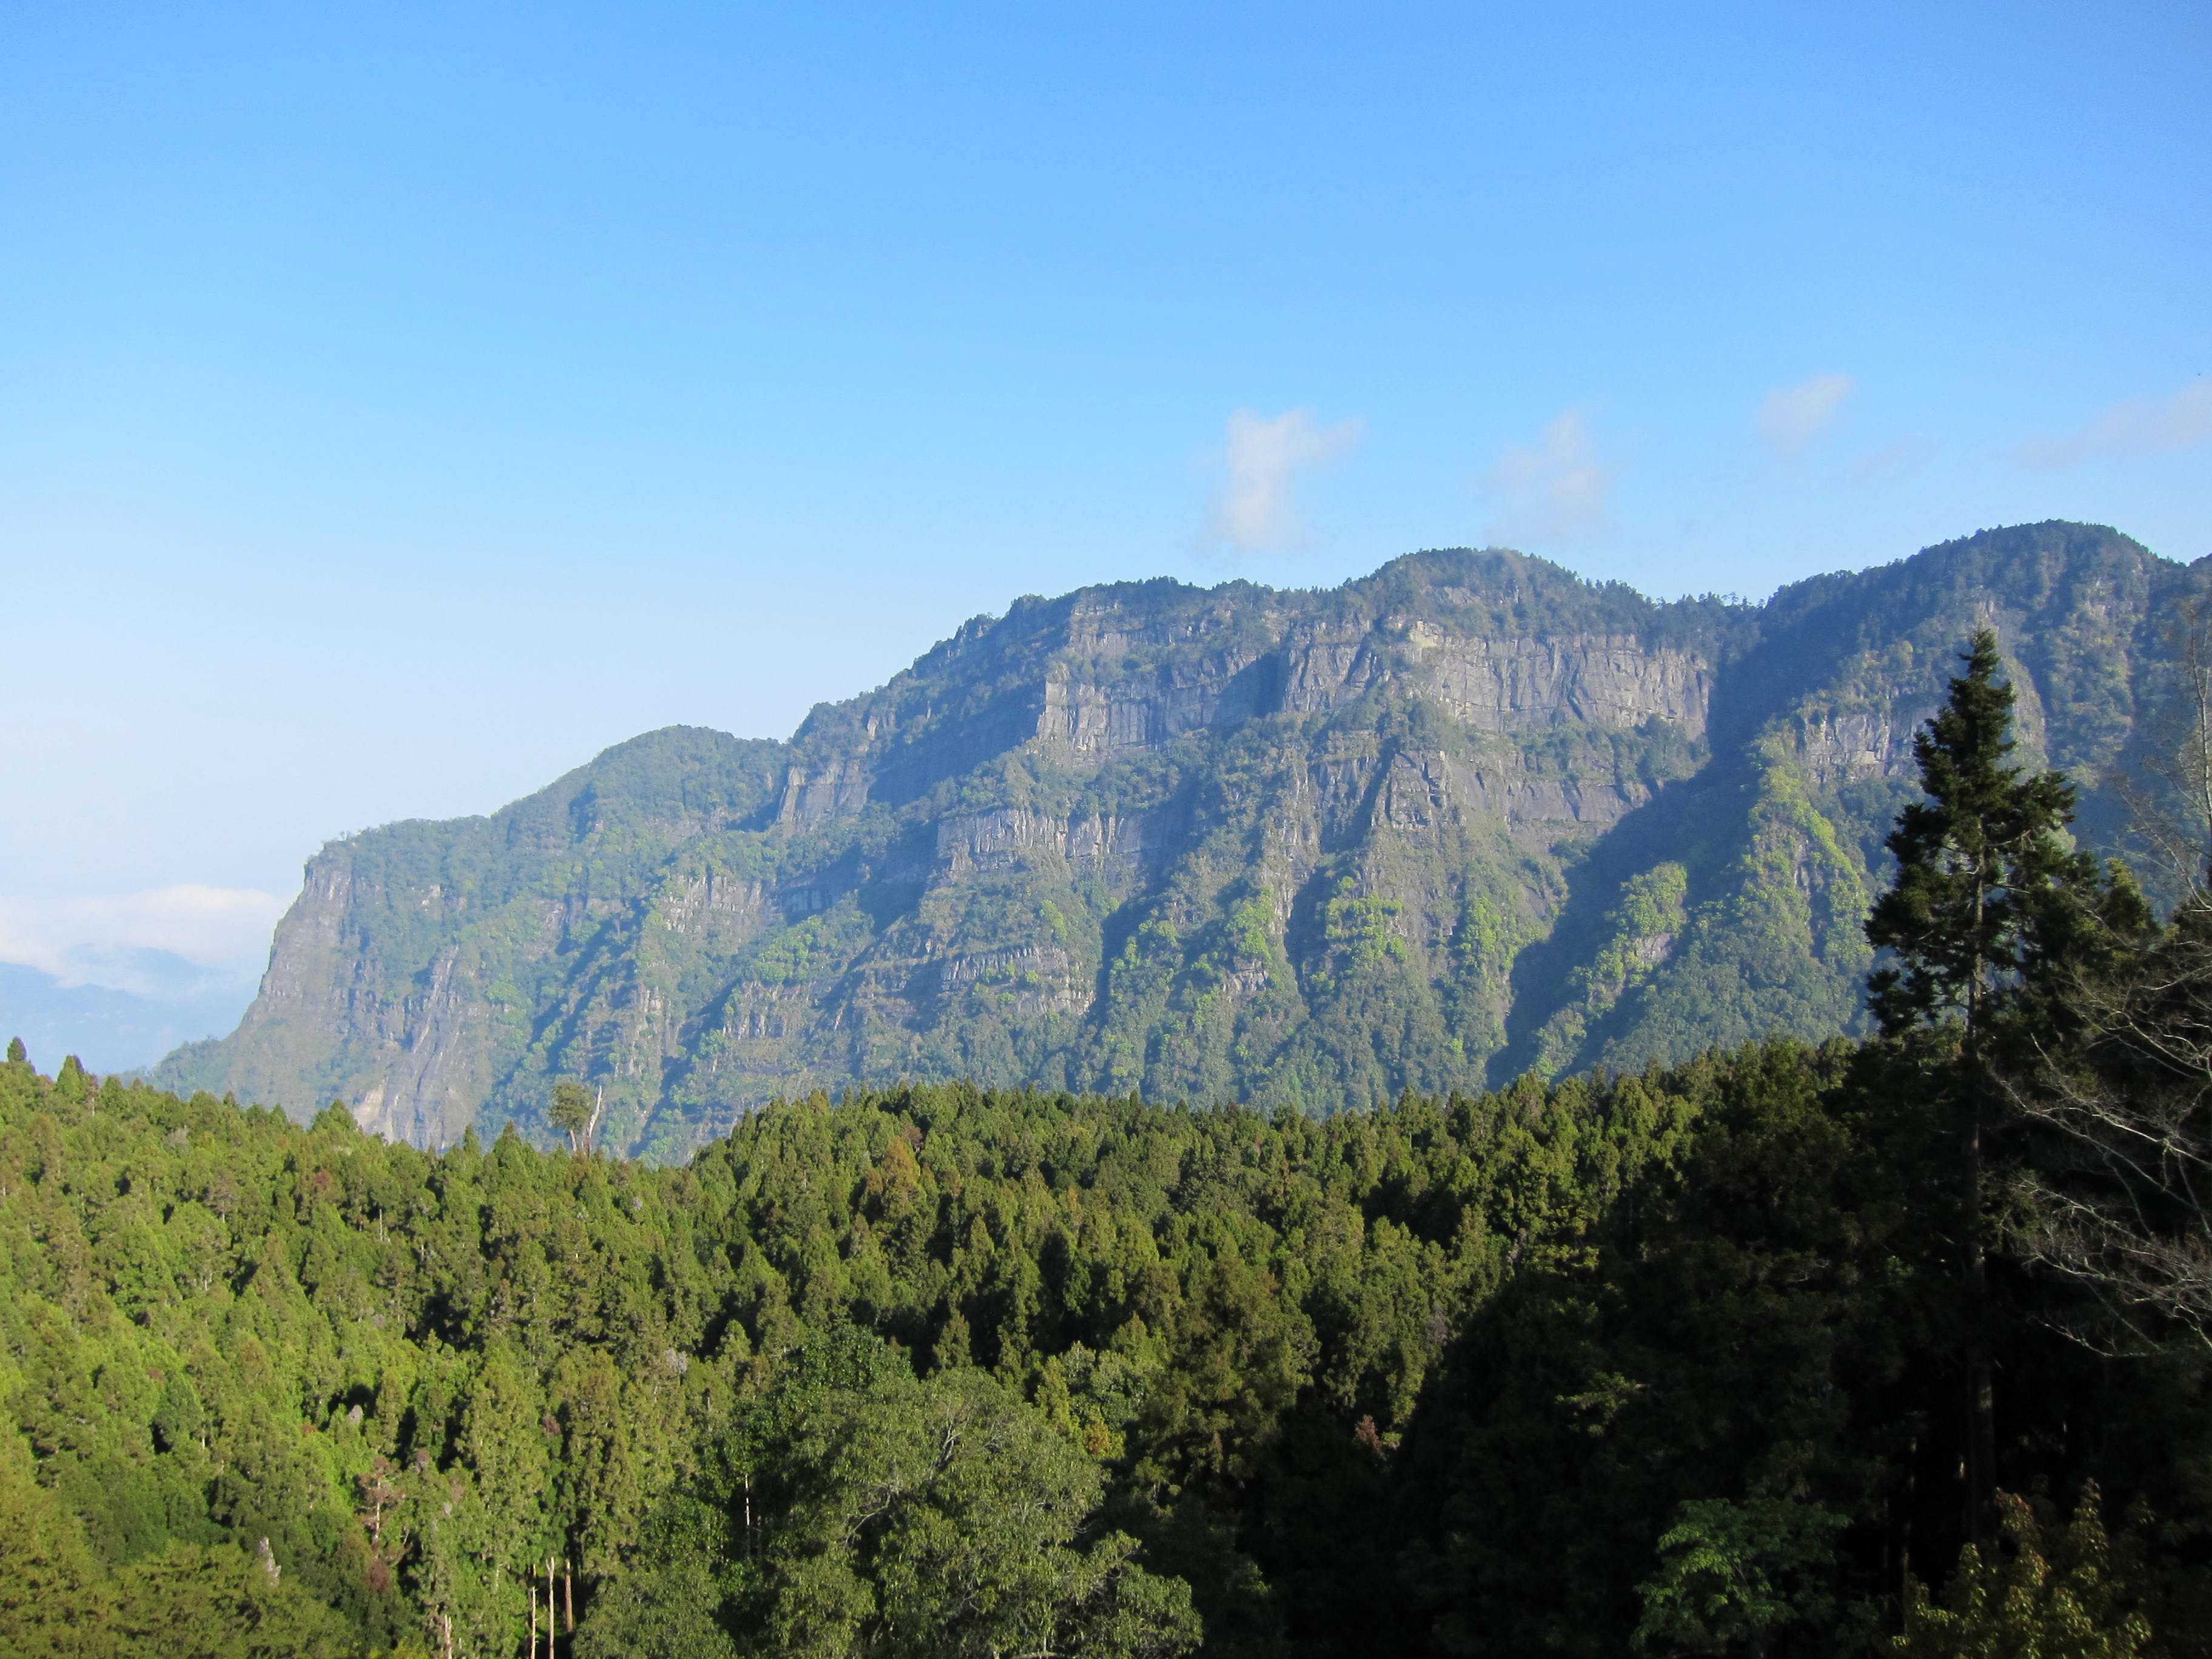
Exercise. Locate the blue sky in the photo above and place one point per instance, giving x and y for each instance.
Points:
(400, 403)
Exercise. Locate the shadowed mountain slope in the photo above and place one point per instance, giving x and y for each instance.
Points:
(1463, 818)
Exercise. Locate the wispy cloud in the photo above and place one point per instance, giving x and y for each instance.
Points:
(1252, 512)
(1792, 415)
(2139, 426)
(136, 941)
(1555, 489)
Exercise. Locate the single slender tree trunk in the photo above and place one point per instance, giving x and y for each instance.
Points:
(1981, 1390)
(568, 1595)
(533, 1618)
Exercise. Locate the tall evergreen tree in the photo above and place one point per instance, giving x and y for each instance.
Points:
(1989, 897)
(1988, 892)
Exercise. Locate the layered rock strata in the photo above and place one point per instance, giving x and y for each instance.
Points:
(1465, 816)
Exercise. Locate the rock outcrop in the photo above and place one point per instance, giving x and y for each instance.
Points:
(1466, 816)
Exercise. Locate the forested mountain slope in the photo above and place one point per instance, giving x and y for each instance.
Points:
(1462, 818)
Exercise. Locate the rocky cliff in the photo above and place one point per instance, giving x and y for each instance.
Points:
(1465, 817)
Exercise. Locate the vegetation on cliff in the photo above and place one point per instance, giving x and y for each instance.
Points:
(1467, 817)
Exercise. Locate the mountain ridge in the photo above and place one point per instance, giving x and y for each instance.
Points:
(1465, 816)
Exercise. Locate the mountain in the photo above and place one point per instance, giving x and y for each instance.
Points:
(112, 1030)
(1464, 817)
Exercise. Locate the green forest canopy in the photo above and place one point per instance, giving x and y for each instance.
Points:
(1437, 1377)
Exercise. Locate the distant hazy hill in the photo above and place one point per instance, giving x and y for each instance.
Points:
(1466, 816)
(110, 1030)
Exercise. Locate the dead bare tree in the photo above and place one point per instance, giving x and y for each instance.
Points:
(2122, 1206)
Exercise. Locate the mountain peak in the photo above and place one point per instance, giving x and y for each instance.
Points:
(1466, 815)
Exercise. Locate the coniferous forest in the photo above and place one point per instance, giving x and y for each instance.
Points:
(1898, 1345)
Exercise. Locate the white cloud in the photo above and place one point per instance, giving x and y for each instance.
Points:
(1254, 509)
(2137, 427)
(1555, 487)
(1792, 417)
(125, 940)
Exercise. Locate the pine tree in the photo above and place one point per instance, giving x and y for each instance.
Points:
(1988, 892)
(1989, 899)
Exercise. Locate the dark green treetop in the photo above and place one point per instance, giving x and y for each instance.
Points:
(1988, 892)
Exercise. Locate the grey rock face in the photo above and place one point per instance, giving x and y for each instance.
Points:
(1466, 816)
